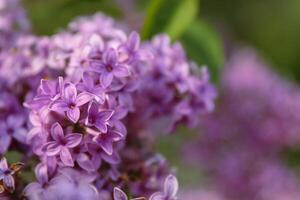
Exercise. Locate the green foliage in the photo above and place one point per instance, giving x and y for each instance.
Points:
(204, 46)
(49, 16)
(13, 156)
(270, 26)
(170, 16)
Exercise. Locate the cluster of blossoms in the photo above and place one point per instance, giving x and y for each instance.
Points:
(243, 143)
(93, 96)
(12, 21)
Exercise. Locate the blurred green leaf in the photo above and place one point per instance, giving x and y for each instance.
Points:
(48, 17)
(204, 46)
(170, 16)
(13, 156)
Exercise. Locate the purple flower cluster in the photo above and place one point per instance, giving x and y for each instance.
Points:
(84, 103)
(243, 142)
(12, 20)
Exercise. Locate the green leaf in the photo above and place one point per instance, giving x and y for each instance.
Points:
(204, 46)
(170, 16)
(48, 17)
(13, 156)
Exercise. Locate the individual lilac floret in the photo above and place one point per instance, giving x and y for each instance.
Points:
(99, 119)
(170, 190)
(13, 127)
(70, 102)
(6, 175)
(110, 68)
(62, 144)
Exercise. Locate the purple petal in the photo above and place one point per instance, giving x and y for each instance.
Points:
(9, 182)
(66, 157)
(85, 162)
(20, 135)
(157, 196)
(110, 56)
(57, 132)
(171, 186)
(119, 194)
(73, 114)
(70, 92)
(59, 105)
(106, 79)
(5, 141)
(105, 144)
(88, 80)
(52, 148)
(121, 71)
(101, 126)
(105, 115)
(113, 159)
(3, 164)
(73, 140)
(15, 121)
(134, 41)
(41, 173)
(83, 98)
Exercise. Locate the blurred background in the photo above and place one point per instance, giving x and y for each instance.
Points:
(212, 31)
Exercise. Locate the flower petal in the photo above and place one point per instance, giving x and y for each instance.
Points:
(134, 41)
(9, 182)
(105, 143)
(85, 162)
(119, 194)
(110, 56)
(66, 157)
(106, 79)
(157, 196)
(73, 139)
(52, 148)
(3, 164)
(101, 126)
(105, 115)
(59, 106)
(121, 71)
(83, 98)
(57, 132)
(70, 92)
(171, 186)
(5, 141)
(73, 114)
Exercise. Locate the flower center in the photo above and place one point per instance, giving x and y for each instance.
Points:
(109, 67)
(72, 105)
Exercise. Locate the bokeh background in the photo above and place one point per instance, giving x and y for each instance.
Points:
(210, 30)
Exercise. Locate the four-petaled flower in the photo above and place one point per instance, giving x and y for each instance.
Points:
(109, 68)
(7, 181)
(99, 119)
(61, 144)
(70, 102)
(170, 190)
(12, 128)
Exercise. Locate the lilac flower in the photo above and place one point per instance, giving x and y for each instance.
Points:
(110, 68)
(6, 175)
(99, 119)
(106, 140)
(89, 85)
(170, 190)
(13, 127)
(62, 144)
(71, 102)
